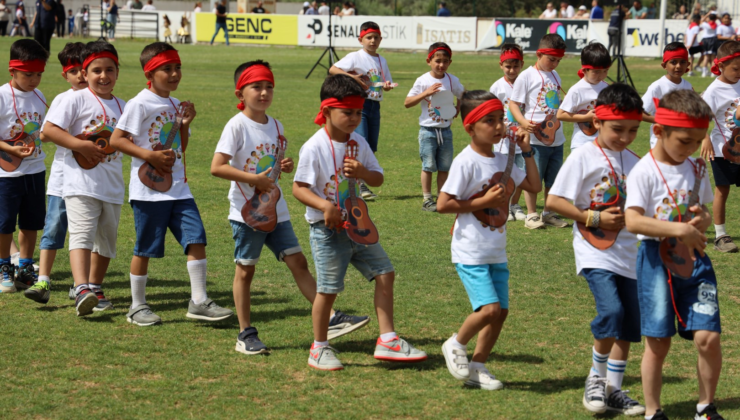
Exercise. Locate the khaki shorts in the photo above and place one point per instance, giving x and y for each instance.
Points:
(93, 224)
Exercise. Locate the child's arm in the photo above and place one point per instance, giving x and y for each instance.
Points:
(358, 78)
(573, 117)
(354, 169)
(516, 112)
(188, 117)
(17, 151)
(60, 137)
(302, 192)
(221, 168)
(611, 218)
(532, 181)
(707, 148)
(494, 197)
(689, 234)
(412, 101)
(648, 118)
(162, 160)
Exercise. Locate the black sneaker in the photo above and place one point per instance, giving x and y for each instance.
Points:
(25, 277)
(85, 302)
(247, 342)
(366, 194)
(343, 324)
(621, 403)
(659, 415)
(709, 413)
(429, 205)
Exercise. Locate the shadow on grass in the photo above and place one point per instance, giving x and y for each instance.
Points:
(406, 197)
(554, 386)
(517, 358)
(105, 317)
(684, 408)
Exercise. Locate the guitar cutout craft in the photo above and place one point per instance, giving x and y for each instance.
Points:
(10, 163)
(147, 173)
(731, 148)
(587, 127)
(674, 254)
(381, 84)
(101, 139)
(545, 131)
(496, 216)
(260, 211)
(597, 237)
(360, 229)
(443, 104)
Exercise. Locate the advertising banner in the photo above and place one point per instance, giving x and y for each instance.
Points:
(458, 33)
(250, 28)
(641, 38)
(528, 32)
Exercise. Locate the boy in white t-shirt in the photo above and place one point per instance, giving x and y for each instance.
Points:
(511, 63)
(723, 97)
(479, 248)
(692, 42)
(580, 101)
(437, 111)
(710, 43)
(22, 169)
(93, 197)
(676, 63)
(590, 189)
(148, 121)
(536, 100)
(668, 175)
(247, 155)
(725, 31)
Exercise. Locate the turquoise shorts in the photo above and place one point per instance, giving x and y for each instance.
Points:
(485, 284)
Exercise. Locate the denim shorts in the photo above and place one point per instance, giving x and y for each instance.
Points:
(23, 201)
(519, 162)
(695, 298)
(548, 161)
(617, 306)
(152, 218)
(55, 227)
(333, 252)
(485, 284)
(369, 127)
(434, 156)
(248, 242)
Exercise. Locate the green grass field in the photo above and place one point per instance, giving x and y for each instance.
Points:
(59, 366)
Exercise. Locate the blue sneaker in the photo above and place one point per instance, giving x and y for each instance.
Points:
(342, 324)
(247, 342)
(25, 277)
(7, 280)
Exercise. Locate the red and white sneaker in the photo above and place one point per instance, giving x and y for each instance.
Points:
(323, 358)
(398, 350)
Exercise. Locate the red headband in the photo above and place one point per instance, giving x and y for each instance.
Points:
(253, 74)
(445, 49)
(70, 65)
(611, 113)
(511, 55)
(349, 102)
(31, 66)
(589, 67)
(680, 54)
(715, 67)
(104, 54)
(167, 57)
(369, 31)
(482, 110)
(670, 118)
(555, 52)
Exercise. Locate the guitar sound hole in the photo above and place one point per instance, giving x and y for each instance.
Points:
(357, 213)
(264, 198)
(550, 124)
(101, 143)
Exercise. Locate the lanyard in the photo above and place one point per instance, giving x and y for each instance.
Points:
(184, 166)
(105, 116)
(336, 173)
(678, 210)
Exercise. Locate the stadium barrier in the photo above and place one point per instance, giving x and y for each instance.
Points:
(249, 28)
(527, 33)
(131, 24)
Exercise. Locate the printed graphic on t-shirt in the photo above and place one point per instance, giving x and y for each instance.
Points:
(103, 126)
(604, 193)
(330, 189)
(160, 130)
(29, 123)
(261, 159)
(731, 117)
(667, 211)
(549, 98)
(441, 108)
(374, 76)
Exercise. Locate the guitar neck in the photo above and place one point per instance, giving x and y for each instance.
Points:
(352, 183)
(276, 168)
(509, 162)
(173, 133)
(694, 197)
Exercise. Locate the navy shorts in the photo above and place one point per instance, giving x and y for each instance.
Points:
(617, 307)
(725, 172)
(549, 160)
(23, 202)
(152, 218)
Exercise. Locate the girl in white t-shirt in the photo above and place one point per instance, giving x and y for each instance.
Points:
(692, 42)
(709, 42)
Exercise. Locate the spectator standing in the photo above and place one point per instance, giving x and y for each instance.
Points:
(60, 19)
(221, 21)
(259, 8)
(566, 10)
(70, 23)
(615, 26)
(597, 13)
(4, 18)
(582, 13)
(324, 9)
(19, 24)
(549, 12)
(443, 11)
(682, 13)
(314, 10)
(112, 19)
(137, 5)
(198, 7)
(44, 22)
(304, 9)
(637, 11)
(697, 9)
(347, 10)
(148, 7)
(651, 11)
(337, 11)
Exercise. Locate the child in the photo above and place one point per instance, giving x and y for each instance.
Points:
(511, 63)
(93, 197)
(610, 273)
(55, 226)
(435, 136)
(250, 133)
(22, 188)
(723, 97)
(676, 63)
(536, 99)
(167, 31)
(595, 63)
(709, 42)
(725, 31)
(681, 121)
(479, 250)
(692, 42)
(155, 211)
(368, 68)
(322, 157)
(70, 23)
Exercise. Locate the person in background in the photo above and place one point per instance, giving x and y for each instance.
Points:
(651, 11)
(566, 10)
(60, 19)
(324, 9)
(112, 19)
(4, 18)
(149, 7)
(198, 7)
(682, 13)
(314, 10)
(70, 23)
(615, 24)
(44, 21)
(259, 8)
(347, 10)
(304, 9)
(637, 11)
(221, 21)
(582, 13)
(443, 11)
(137, 5)
(337, 11)
(19, 24)
(549, 12)
(725, 31)
(697, 9)
(597, 13)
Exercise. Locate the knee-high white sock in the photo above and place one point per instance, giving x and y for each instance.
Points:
(138, 289)
(615, 373)
(720, 230)
(197, 270)
(599, 364)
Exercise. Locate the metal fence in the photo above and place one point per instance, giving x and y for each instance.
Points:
(131, 24)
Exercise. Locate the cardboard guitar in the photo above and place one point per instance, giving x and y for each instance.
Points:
(600, 238)
(10, 163)
(360, 229)
(102, 140)
(731, 148)
(147, 173)
(260, 211)
(587, 127)
(545, 131)
(496, 216)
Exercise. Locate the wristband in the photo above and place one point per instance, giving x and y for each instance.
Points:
(528, 154)
(597, 219)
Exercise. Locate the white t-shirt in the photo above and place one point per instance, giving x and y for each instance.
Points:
(148, 8)
(708, 30)
(649, 192)
(502, 90)
(658, 89)
(587, 178)
(582, 96)
(429, 116)
(348, 11)
(472, 242)
(30, 109)
(364, 64)
(539, 92)
(550, 14)
(253, 148)
(323, 172)
(568, 13)
(149, 118)
(80, 113)
(692, 34)
(56, 174)
(723, 99)
(725, 30)
(324, 10)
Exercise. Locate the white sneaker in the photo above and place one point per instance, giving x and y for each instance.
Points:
(457, 360)
(518, 212)
(533, 221)
(594, 397)
(704, 72)
(511, 217)
(483, 379)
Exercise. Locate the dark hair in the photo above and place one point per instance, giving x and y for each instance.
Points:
(552, 41)
(624, 97)
(472, 98)
(728, 48)
(98, 47)
(443, 4)
(439, 45)
(151, 50)
(696, 17)
(595, 54)
(510, 46)
(27, 50)
(674, 46)
(71, 53)
(369, 25)
(339, 86)
(248, 64)
(687, 102)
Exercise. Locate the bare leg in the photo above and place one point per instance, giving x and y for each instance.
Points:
(531, 200)
(13, 247)
(384, 301)
(242, 294)
(196, 252)
(79, 262)
(709, 365)
(298, 266)
(98, 268)
(320, 315)
(139, 265)
(476, 321)
(720, 203)
(516, 196)
(27, 242)
(656, 349)
(488, 336)
(605, 345)
(46, 261)
(441, 178)
(6, 242)
(426, 182)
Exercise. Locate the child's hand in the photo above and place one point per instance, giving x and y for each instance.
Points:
(522, 139)
(707, 149)
(91, 152)
(388, 86)
(188, 114)
(527, 126)
(693, 239)
(353, 168)
(361, 80)
(21, 152)
(162, 160)
(612, 219)
(495, 197)
(286, 165)
(263, 182)
(332, 216)
(431, 90)
(701, 220)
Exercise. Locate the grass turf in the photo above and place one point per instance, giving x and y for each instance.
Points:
(59, 366)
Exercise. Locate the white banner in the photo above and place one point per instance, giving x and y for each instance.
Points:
(642, 37)
(458, 33)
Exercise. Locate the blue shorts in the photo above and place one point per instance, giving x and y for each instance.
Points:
(519, 162)
(333, 252)
(548, 161)
(369, 127)
(152, 218)
(55, 227)
(248, 242)
(485, 284)
(617, 307)
(23, 201)
(435, 156)
(696, 298)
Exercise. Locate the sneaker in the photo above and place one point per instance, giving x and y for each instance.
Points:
(39, 292)
(709, 413)
(594, 397)
(532, 221)
(25, 277)
(367, 195)
(483, 379)
(208, 311)
(143, 316)
(552, 219)
(690, 74)
(72, 295)
(724, 244)
(429, 205)
(457, 360)
(7, 282)
(85, 301)
(511, 217)
(247, 342)
(518, 212)
(398, 350)
(323, 358)
(660, 415)
(15, 259)
(619, 401)
(343, 324)
(103, 303)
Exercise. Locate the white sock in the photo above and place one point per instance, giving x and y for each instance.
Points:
(476, 366)
(457, 344)
(545, 213)
(45, 278)
(79, 288)
(615, 372)
(720, 230)
(138, 290)
(197, 270)
(598, 367)
(317, 344)
(388, 336)
(701, 407)
(427, 196)
(332, 317)
(95, 287)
